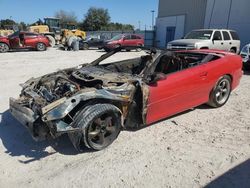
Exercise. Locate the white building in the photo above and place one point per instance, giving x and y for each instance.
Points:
(178, 17)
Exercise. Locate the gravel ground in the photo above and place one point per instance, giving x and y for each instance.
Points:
(201, 147)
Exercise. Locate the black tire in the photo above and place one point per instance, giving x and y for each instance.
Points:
(139, 49)
(117, 46)
(85, 46)
(4, 48)
(100, 125)
(233, 50)
(40, 47)
(107, 49)
(221, 92)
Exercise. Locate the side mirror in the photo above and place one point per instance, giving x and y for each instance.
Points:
(154, 78)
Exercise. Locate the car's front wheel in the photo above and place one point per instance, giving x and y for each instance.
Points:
(100, 125)
(4, 48)
(85, 46)
(221, 92)
(40, 47)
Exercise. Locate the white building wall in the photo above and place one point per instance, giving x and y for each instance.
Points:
(171, 21)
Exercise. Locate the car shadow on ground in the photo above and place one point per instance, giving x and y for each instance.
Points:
(247, 72)
(234, 178)
(18, 142)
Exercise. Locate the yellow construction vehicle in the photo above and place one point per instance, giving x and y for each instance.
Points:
(72, 29)
(8, 30)
(5, 32)
(50, 28)
(55, 32)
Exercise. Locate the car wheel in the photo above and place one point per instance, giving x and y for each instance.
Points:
(4, 48)
(139, 49)
(100, 125)
(52, 41)
(221, 92)
(85, 46)
(232, 50)
(117, 46)
(40, 47)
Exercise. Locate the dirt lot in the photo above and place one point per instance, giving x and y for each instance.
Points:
(197, 148)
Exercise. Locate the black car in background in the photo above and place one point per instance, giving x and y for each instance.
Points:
(91, 42)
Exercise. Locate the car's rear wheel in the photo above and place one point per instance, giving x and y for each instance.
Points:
(4, 48)
(100, 125)
(221, 92)
(233, 50)
(139, 49)
(85, 46)
(40, 47)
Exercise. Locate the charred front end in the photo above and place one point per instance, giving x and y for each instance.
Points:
(47, 105)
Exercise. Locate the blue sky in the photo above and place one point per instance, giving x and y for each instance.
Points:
(123, 11)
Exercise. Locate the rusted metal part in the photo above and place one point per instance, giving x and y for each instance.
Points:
(53, 105)
(52, 101)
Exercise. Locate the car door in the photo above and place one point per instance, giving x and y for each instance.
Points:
(14, 40)
(180, 91)
(30, 40)
(227, 41)
(217, 42)
(134, 40)
(127, 40)
(96, 42)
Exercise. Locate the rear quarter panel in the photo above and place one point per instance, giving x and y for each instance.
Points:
(5, 40)
(230, 64)
(44, 40)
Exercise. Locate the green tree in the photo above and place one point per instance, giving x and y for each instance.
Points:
(118, 27)
(7, 22)
(22, 26)
(66, 17)
(95, 19)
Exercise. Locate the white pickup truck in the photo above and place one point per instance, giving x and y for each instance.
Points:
(220, 39)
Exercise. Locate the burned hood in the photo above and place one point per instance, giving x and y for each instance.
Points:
(91, 73)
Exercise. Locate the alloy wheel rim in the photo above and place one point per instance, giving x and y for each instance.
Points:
(102, 131)
(222, 91)
(40, 46)
(3, 47)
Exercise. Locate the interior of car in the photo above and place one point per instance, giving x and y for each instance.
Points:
(173, 62)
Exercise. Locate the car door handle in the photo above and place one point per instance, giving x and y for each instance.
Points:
(222, 43)
(203, 74)
(230, 43)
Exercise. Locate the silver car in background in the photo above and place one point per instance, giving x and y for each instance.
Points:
(221, 39)
(245, 54)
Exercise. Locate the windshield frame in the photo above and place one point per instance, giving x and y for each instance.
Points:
(200, 35)
(117, 37)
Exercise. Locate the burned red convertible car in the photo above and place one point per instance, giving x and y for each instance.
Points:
(93, 102)
(23, 40)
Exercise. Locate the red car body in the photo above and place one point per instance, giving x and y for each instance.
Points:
(191, 87)
(132, 93)
(24, 40)
(124, 40)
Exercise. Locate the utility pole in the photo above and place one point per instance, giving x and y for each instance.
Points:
(153, 18)
(139, 22)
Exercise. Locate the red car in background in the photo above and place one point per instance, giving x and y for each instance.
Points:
(23, 40)
(124, 40)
